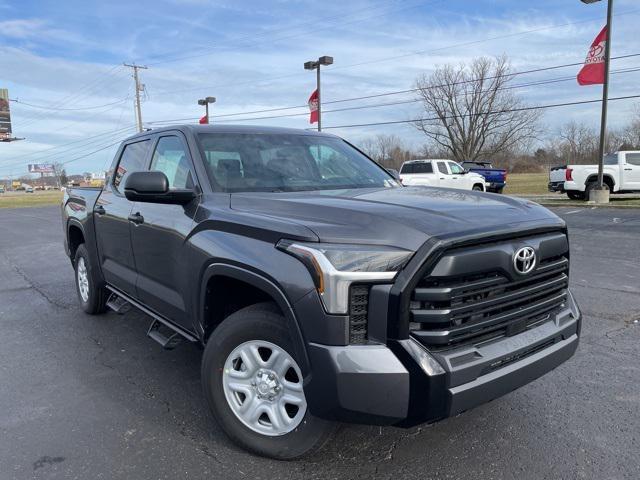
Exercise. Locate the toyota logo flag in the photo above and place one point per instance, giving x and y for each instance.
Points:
(313, 107)
(593, 71)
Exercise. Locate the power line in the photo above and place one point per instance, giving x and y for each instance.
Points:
(43, 107)
(96, 139)
(420, 52)
(497, 112)
(361, 107)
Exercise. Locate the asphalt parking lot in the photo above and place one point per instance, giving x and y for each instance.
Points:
(92, 398)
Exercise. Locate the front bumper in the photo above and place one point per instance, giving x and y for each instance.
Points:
(403, 384)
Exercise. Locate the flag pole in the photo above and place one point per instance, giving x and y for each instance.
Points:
(605, 97)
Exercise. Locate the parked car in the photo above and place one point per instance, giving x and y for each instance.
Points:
(2, 189)
(28, 189)
(495, 178)
(320, 289)
(440, 173)
(621, 174)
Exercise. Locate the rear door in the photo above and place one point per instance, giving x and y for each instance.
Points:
(111, 214)
(631, 171)
(159, 236)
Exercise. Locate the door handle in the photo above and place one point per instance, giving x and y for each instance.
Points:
(136, 218)
(441, 178)
(99, 210)
(628, 169)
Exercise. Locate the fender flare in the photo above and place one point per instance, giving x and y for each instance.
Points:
(75, 223)
(268, 286)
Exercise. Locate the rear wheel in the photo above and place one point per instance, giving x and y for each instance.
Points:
(92, 295)
(478, 188)
(253, 384)
(575, 195)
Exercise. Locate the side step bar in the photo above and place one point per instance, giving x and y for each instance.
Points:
(121, 303)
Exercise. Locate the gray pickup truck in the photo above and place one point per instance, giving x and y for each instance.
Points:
(319, 288)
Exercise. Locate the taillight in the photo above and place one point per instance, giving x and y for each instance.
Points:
(504, 176)
(567, 174)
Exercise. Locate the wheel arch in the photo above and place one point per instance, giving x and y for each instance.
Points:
(225, 272)
(75, 237)
(606, 178)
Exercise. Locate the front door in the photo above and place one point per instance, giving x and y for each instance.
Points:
(111, 222)
(631, 172)
(159, 236)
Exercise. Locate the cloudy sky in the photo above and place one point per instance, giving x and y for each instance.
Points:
(62, 62)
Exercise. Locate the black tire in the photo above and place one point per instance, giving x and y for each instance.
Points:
(575, 195)
(258, 322)
(478, 188)
(96, 299)
(499, 190)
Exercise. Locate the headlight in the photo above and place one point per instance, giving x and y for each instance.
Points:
(334, 267)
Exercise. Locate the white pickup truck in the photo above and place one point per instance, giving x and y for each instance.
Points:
(621, 174)
(440, 173)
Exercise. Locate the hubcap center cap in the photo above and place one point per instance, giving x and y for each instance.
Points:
(267, 384)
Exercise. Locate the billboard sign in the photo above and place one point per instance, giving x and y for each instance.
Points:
(5, 116)
(41, 168)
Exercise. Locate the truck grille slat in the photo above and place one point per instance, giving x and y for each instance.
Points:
(447, 311)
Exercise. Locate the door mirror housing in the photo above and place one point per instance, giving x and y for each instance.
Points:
(153, 187)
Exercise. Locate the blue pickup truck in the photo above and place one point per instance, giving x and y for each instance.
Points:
(496, 178)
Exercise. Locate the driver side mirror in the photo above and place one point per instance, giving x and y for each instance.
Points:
(153, 187)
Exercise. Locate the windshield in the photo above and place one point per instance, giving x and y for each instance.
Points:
(238, 162)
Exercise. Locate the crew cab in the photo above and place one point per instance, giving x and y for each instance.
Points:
(320, 289)
(440, 173)
(621, 173)
(495, 178)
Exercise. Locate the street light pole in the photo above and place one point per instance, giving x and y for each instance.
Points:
(206, 101)
(315, 65)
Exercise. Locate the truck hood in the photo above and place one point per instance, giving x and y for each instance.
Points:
(402, 217)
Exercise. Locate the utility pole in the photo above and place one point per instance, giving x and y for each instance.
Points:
(138, 90)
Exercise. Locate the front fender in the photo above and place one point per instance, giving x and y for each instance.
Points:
(267, 286)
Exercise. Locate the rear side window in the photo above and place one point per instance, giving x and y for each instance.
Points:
(611, 159)
(132, 160)
(443, 168)
(417, 168)
(633, 158)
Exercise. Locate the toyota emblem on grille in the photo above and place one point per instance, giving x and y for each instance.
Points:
(524, 260)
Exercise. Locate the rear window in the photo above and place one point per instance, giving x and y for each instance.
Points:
(132, 160)
(417, 168)
(611, 159)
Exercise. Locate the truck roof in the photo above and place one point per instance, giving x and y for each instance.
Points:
(247, 129)
(424, 160)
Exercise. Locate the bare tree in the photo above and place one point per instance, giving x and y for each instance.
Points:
(469, 113)
(388, 150)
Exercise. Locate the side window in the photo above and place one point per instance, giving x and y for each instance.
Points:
(633, 158)
(423, 168)
(443, 168)
(131, 160)
(455, 168)
(172, 159)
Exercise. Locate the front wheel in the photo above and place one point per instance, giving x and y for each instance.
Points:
(478, 188)
(253, 384)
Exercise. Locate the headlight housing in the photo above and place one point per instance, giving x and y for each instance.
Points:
(334, 267)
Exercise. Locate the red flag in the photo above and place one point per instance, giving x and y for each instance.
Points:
(313, 107)
(593, 71)
(204, 120)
